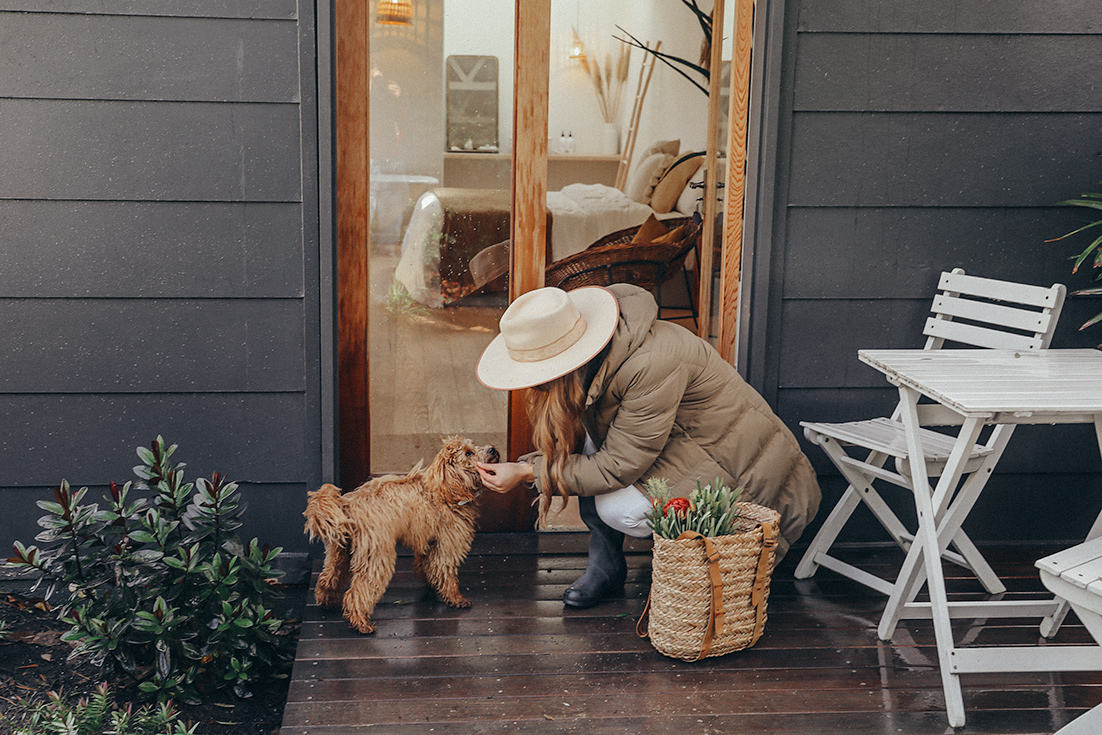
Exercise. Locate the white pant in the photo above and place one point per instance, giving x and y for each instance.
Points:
(623, 509)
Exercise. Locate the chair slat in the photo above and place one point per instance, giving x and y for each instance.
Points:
(887, 436)
(1021, 293)
(998, 314)
(1071, 558)
(980, 336)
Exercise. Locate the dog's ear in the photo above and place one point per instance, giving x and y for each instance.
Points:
(325, 514)
(453, 472)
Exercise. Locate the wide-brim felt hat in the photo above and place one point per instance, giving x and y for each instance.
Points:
(547, 333)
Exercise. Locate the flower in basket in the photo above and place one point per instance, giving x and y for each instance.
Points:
(710, 510)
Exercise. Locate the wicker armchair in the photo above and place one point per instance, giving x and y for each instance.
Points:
(614, 259)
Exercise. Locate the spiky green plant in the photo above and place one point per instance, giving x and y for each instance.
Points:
(710, 510)
(400, 303)
(95, 714)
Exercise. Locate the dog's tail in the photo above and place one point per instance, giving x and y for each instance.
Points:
(325, 517)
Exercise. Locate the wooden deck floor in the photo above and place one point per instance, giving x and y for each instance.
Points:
(518, 662)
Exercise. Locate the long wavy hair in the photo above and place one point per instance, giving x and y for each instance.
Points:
(555, 410)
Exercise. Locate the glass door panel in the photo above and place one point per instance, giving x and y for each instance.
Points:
(601, 98)
(441, 110)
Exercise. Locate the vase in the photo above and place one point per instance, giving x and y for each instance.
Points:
(610, 139)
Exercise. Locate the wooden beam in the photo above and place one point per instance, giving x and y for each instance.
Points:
(531, 65)
(735, 191)
(352, 46)
(531, 60)
(707, 236)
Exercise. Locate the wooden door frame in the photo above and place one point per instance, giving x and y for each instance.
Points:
(351, 85)
(528, 226)
(531, 64)
(734, 192)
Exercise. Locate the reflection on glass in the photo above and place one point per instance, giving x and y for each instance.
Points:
(437, 283)
(472, 103)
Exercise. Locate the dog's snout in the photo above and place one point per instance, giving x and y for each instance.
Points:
(492, 455)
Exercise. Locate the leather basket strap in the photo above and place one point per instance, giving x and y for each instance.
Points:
(761, 579)
(641, 629)
(716, 614)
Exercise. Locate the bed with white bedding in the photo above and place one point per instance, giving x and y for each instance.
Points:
(450, 226)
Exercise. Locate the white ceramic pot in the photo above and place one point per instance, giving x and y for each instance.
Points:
(610, 139)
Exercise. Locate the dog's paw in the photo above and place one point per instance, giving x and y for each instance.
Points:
(457, 601)
(362, 625)
(327, 598)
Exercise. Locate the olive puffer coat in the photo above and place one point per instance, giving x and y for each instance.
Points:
(664, 404)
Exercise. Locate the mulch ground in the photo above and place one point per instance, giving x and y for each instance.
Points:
(34, 660)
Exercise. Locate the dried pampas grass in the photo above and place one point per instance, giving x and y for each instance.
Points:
(608, 79)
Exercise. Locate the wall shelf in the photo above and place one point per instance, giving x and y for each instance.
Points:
(470, 169)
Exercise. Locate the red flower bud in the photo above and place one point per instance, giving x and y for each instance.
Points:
(678, 505)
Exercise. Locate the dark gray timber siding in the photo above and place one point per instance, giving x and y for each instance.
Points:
(159, 249)
(911, 139)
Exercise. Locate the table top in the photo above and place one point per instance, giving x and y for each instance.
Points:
(988, 382)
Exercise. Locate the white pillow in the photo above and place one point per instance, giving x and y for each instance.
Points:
(641, 181)
(690, 197)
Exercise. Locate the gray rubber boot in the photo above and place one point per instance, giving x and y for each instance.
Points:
(605, 568)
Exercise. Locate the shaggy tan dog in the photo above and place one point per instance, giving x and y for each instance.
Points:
(430, 510)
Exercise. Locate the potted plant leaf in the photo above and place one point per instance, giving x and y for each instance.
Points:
(1093, 251)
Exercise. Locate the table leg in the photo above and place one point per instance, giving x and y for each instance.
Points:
(912, 576)
(951, 511)
(928, 545)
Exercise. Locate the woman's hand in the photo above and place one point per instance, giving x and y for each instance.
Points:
(504, 476)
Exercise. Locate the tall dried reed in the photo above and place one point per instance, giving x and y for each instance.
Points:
(608, 79)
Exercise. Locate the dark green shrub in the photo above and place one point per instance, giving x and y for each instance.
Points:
(161, 588)
(96, 714)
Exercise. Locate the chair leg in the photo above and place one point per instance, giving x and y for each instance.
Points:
(828, 533)
(974, 562)
(689, 291)
(861, 490)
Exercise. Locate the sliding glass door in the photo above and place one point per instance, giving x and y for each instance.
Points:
(444, 155)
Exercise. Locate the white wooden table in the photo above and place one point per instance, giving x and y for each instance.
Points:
(983, 387)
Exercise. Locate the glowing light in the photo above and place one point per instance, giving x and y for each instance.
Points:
(577, 49)
(395, 12)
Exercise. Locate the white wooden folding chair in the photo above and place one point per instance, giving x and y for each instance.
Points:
(969, 311)
(1075, 575)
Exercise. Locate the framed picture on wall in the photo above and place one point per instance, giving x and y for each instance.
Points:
(472, 104)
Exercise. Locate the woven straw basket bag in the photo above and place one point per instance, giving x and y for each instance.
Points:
(708, 595)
